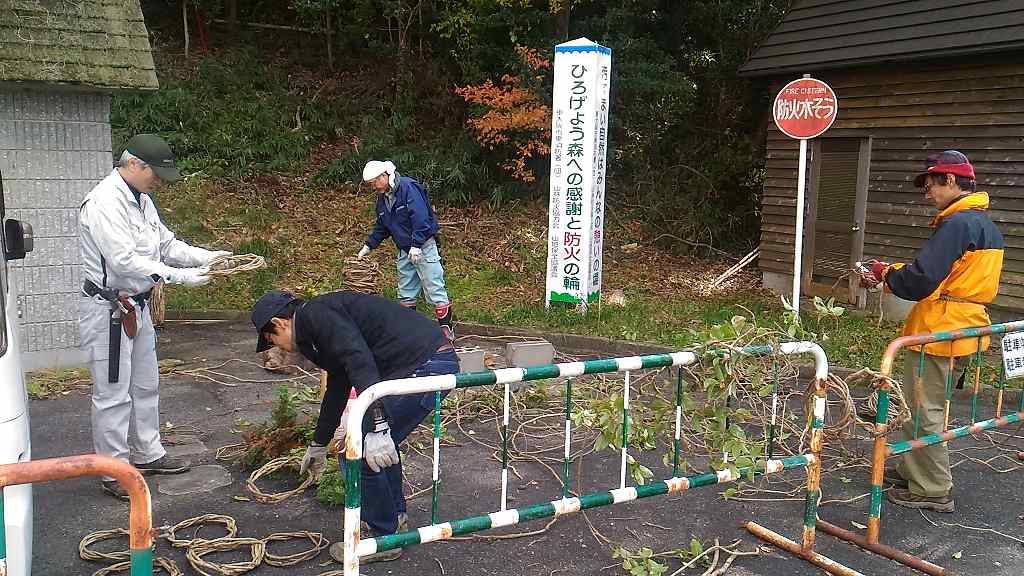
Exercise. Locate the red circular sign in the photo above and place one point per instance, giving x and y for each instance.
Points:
(805, 108)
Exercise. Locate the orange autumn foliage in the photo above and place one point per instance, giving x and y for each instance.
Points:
(515, 121)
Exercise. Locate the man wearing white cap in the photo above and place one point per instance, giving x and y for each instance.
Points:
(404, 213)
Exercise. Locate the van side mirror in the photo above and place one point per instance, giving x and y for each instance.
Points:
(18, 239)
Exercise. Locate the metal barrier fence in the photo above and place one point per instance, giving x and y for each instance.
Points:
(355, 547)
(140, 534)
(883, 449)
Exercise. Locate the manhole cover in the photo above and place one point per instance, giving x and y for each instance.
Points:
(199, 479)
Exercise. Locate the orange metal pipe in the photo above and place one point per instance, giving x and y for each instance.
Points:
(882, 550)
(140, 514)
(826, 564)
(878, 456)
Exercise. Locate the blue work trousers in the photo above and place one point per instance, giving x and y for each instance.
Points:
(382, 498)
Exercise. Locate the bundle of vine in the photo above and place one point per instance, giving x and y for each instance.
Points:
(271, 467)
(197, 548)
(361, 275)
(235, 264)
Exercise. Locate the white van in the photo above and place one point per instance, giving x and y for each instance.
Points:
(15, 445)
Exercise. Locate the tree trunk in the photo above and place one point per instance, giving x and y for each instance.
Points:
(184, 23)
(204, 45)
(232, 17)
(329, 37)
(563, 21)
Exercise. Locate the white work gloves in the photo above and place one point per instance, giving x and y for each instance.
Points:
(186, 276)
(379, 448)
(363, 252)
(415, 255)
(314, 460)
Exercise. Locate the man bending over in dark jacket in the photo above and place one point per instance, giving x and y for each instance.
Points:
(359, 340)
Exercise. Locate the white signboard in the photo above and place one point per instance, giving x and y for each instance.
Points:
(579, 144)
(1013, 354)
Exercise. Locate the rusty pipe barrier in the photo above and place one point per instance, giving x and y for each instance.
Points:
(805, 548)
(140, 517)
(881, 445)
(883, 449)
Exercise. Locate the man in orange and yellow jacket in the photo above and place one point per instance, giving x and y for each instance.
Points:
(952, 278)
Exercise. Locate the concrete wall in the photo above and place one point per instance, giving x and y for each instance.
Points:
(54, 147)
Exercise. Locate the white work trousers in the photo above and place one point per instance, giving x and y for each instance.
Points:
(126, 413)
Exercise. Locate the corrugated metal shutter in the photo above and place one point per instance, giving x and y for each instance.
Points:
(834, 217)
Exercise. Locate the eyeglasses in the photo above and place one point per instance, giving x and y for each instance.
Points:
(929, 185)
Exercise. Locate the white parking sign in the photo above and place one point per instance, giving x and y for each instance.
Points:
(1013, 354)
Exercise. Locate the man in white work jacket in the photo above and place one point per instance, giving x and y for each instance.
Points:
(126, 251)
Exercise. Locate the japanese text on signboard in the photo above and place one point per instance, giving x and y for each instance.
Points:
(1013, 354)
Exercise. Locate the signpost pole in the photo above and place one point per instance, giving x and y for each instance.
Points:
(803, 109)
(798, 240)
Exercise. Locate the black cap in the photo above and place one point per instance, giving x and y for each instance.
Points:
(266, 308)
(155, 151)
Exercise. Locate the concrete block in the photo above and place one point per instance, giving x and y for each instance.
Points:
(471, 359)
(526, 354)
(6, 104)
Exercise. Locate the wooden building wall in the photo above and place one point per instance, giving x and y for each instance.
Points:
(908, 112)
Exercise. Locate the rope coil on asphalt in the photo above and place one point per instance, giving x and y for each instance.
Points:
(197, 548)
(200, 548)
(361, 274)
(227, 521)
(271, 467)
(168, 566)
(235, 264)
(318, 540)
(96, 556)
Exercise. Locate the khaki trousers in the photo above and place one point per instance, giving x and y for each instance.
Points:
(927, 469)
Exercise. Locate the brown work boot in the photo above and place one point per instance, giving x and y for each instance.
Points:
(908, 499)
(893, 476)
(114, 488)
(165, 465)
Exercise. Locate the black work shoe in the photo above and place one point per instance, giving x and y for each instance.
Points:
(908, 499)
(114, 488)
(892, 476)
(165, 465)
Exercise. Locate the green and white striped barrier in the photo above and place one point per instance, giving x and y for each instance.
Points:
(354, 547)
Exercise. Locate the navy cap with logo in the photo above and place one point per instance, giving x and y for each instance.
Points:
(266, 308)
(948, 162)
(155, 151)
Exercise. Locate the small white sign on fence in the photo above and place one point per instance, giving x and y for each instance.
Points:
(1013, 354)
